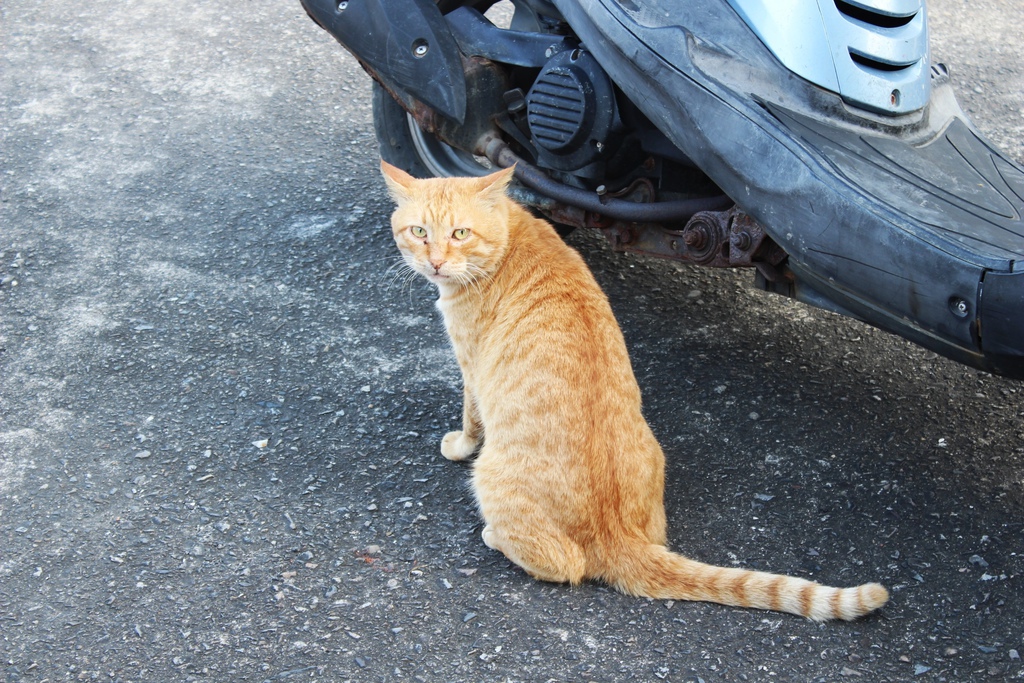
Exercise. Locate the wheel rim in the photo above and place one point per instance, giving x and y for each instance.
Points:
(443, 160)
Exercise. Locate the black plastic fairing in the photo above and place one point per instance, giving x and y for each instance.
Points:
(1002, 316)
(895, 220)
(955, 185)
(478, 36)
(407, 43)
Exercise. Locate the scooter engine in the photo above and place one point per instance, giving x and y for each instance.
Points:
(572, 113)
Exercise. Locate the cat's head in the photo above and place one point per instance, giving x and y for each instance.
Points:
(451, 231)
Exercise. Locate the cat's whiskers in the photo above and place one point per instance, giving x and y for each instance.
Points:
(393, 272)
(399, 272)
(475, 276)
(396, 263)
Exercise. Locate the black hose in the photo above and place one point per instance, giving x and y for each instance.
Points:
(678, 210)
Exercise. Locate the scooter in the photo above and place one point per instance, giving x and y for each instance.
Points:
(810, 140)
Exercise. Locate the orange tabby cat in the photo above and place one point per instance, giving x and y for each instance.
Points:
(569, 477)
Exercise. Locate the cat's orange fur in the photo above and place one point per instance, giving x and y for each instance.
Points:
(569, 477)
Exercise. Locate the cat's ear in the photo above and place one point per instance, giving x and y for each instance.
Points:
(492, 187)
(398, 181)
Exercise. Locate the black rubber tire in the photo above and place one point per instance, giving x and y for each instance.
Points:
(415, 152)
(390, 123)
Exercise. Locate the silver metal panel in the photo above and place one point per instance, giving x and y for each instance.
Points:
(875, 55)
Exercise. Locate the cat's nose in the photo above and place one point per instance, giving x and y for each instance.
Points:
(437, 265)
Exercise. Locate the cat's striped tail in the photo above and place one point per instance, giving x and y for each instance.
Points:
(656, 572)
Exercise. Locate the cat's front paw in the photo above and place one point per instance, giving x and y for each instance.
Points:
(458, 446)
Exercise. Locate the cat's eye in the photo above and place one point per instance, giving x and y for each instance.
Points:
(461, 233)
(418, 231)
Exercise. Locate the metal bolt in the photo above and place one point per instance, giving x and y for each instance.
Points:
(601, 189)
(342, 5)
(959, 307)
(550, 52)
(420, 48)
(741, 240)
(696, 237)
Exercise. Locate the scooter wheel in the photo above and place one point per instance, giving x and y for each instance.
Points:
(405, 145)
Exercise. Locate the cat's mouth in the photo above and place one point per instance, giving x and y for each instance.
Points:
(438, 277)
(445, 276)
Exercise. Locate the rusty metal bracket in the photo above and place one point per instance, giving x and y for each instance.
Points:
(717, 239)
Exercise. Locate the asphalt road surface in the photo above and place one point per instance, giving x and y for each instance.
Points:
(220, 417)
